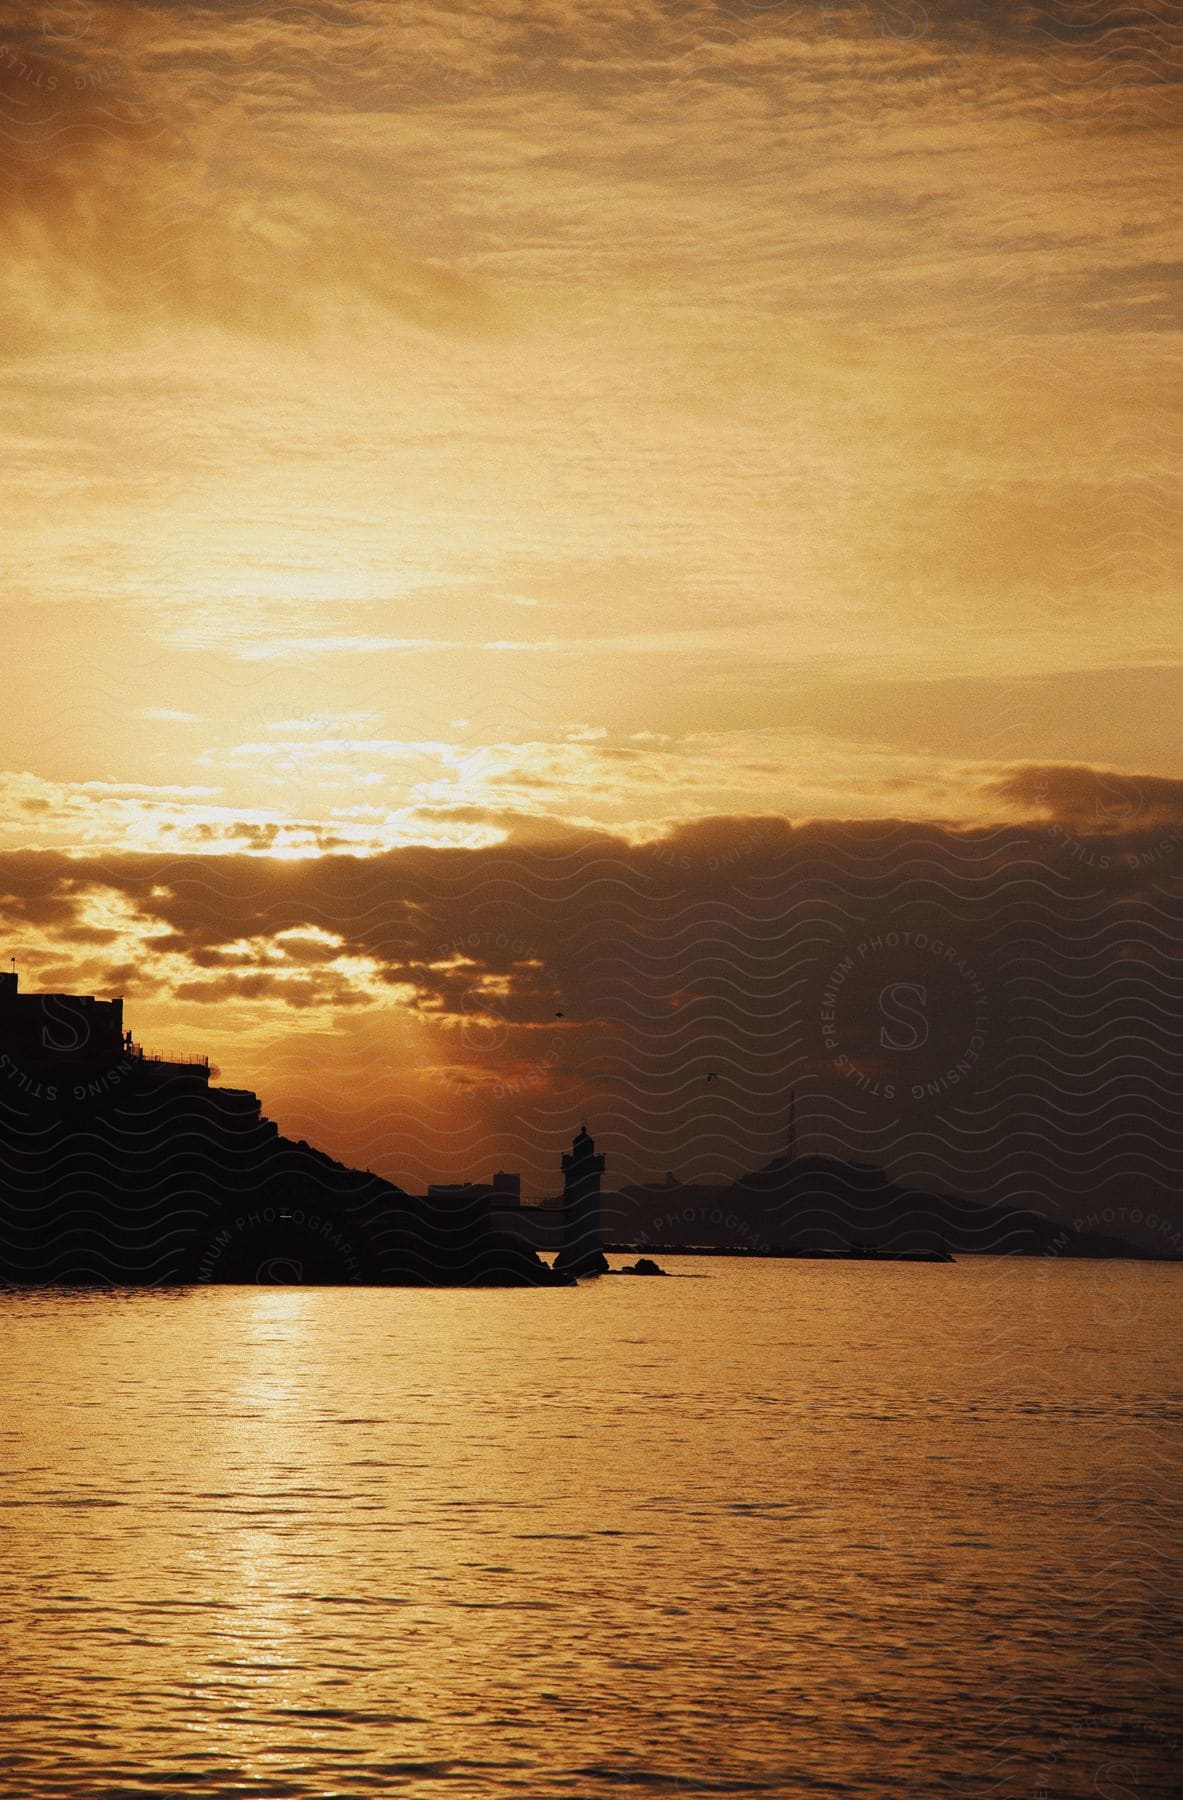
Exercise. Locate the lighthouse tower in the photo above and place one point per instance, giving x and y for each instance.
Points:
(582, 1251)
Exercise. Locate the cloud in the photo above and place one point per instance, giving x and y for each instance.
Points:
(1101, 802)
(993, 1009)
(434, 792)
(128, 203)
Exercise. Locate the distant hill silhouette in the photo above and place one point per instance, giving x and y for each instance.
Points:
(822, 1203)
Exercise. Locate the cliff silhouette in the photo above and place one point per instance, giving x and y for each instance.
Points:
(120, 1168)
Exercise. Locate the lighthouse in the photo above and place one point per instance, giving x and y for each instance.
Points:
(582, 1251)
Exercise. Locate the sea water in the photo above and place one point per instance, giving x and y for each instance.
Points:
(759, 1528)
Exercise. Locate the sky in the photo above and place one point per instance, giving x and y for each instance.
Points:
(680, 488)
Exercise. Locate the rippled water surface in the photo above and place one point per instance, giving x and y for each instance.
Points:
(778, 1529)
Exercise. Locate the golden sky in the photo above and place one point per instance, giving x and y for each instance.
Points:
(489, 426)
